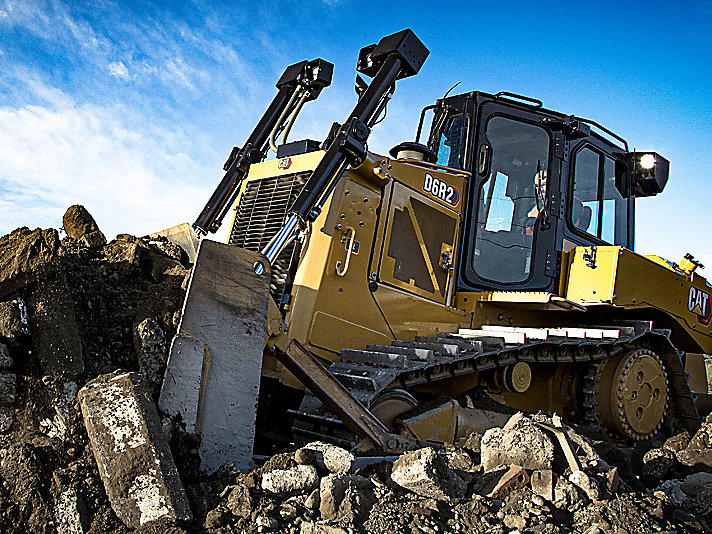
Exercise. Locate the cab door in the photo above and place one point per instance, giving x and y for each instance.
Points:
(510, 237)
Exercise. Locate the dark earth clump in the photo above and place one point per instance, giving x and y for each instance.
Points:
(79, 307)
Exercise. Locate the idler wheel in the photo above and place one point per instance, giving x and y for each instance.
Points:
(387, 406)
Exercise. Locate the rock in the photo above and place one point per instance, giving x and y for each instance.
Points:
(346, 498)
(542, 481)
(134, 460)
(56, 340)
(677, 442)
(587, 484)
(5, 359)
(78, 222)
(239, 501)
(26, 256)
(299, 479)
(266, 522)
(152, 349)
(514, 478)
(13, 320)
(514, 521)
(71, 513)
(472, 442)
(702, 438)
(671, 490)
(523, 444)
(319, 528)
(8, 387)
(657, 463)
(426, 473)
(6, 419)
(694, 484)
(567, 494)
(94, 239)
(313, 501)
(695, 458)
(62, 396)
(215, 518)
(325, 456)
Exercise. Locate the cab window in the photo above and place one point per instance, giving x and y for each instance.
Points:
(449, 144)
(597, 207)
(510, 199)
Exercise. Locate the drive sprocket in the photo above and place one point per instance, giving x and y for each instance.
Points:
(631, 394)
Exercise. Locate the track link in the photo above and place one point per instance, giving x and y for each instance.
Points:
(408, 364)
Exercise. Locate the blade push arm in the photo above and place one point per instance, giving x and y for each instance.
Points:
(300, 82)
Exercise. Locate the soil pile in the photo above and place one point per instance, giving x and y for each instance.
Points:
(78, 307)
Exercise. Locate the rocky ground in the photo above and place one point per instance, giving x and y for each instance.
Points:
(74, 308)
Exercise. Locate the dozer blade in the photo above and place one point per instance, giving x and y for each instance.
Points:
(183, 236)
(213, 373)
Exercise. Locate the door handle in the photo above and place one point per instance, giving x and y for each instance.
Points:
(349, 250)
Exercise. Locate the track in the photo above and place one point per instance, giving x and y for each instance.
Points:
(424, 364)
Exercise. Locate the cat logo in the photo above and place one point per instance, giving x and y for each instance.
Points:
(285, 163)
(700, 303)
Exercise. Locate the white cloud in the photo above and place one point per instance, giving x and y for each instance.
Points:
(119, 70)
(131, 178)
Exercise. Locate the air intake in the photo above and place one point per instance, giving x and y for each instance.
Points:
(260, 214)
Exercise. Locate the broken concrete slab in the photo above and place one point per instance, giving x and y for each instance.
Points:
(211, 384)
(56, 340)
(134, 461)
(308, 527)
(325, 456)
(70, 513)
(426, 473)
(523, 444)
(299, 479)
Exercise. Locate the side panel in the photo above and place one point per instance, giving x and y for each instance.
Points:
(618, 276)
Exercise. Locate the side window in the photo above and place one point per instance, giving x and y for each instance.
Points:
(598, 208)
(449, 146)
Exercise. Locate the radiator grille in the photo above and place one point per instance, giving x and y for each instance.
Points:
(260, 214)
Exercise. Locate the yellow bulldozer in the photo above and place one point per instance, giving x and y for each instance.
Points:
(385, 300)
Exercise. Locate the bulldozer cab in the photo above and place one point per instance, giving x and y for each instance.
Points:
(541, 183)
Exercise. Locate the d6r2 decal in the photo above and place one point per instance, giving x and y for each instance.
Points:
(441, 190)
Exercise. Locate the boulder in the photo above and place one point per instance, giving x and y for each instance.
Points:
(325, 456)
(426, 473)
(524, 444)
(78, 222)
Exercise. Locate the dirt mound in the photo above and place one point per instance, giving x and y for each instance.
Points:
(76, 308)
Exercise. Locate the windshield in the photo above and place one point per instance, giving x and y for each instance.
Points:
(510, 200)
(449, 143)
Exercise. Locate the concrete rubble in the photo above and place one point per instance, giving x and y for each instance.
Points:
(84, 331)
(135, 463)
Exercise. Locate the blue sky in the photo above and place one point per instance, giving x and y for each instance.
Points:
(130, 108)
